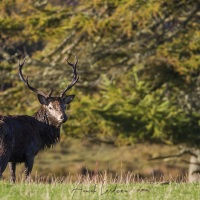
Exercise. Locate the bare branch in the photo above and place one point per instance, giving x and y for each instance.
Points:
(184, 152)
(65, 41)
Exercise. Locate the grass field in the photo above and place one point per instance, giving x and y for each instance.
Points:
(89, 191)
(113, 173)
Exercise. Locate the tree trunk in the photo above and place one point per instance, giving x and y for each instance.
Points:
(194, 167)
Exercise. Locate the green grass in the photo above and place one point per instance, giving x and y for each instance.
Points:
(85, 191)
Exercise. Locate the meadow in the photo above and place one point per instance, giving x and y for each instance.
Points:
(110, 172)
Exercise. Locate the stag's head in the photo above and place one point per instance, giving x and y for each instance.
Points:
(54, 106)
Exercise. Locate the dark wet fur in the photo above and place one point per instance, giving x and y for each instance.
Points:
(22, 137)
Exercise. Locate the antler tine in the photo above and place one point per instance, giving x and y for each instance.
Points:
(75, 77)
(50, 93)
(20, 65)
(25, 80)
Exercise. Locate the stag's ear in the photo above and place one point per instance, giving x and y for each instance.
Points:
(42, 99)
(68, 99)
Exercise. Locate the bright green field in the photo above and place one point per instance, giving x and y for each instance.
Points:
(90, 191)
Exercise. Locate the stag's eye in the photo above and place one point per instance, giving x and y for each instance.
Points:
(50, 108)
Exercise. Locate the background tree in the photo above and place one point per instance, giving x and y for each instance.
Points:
(138, 61)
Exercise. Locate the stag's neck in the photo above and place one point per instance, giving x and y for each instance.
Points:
(49, 130)
(43, 116)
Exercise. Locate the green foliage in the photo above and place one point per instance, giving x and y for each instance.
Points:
(138, 113)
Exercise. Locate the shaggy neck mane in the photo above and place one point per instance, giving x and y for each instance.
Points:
(49, 131)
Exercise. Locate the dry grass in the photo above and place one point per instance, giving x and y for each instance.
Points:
(74, 157)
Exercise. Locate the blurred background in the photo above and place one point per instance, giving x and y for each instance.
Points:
(137, 100)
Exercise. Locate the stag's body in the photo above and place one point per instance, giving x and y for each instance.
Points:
(23, 136)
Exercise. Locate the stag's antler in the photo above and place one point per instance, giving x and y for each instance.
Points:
(25, 80)
(75, 77)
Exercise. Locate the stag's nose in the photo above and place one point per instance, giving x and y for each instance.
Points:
(63, 118)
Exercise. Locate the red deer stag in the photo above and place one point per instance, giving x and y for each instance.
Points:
(23, 136)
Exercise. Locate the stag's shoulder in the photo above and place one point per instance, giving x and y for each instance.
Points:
(17, 119)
